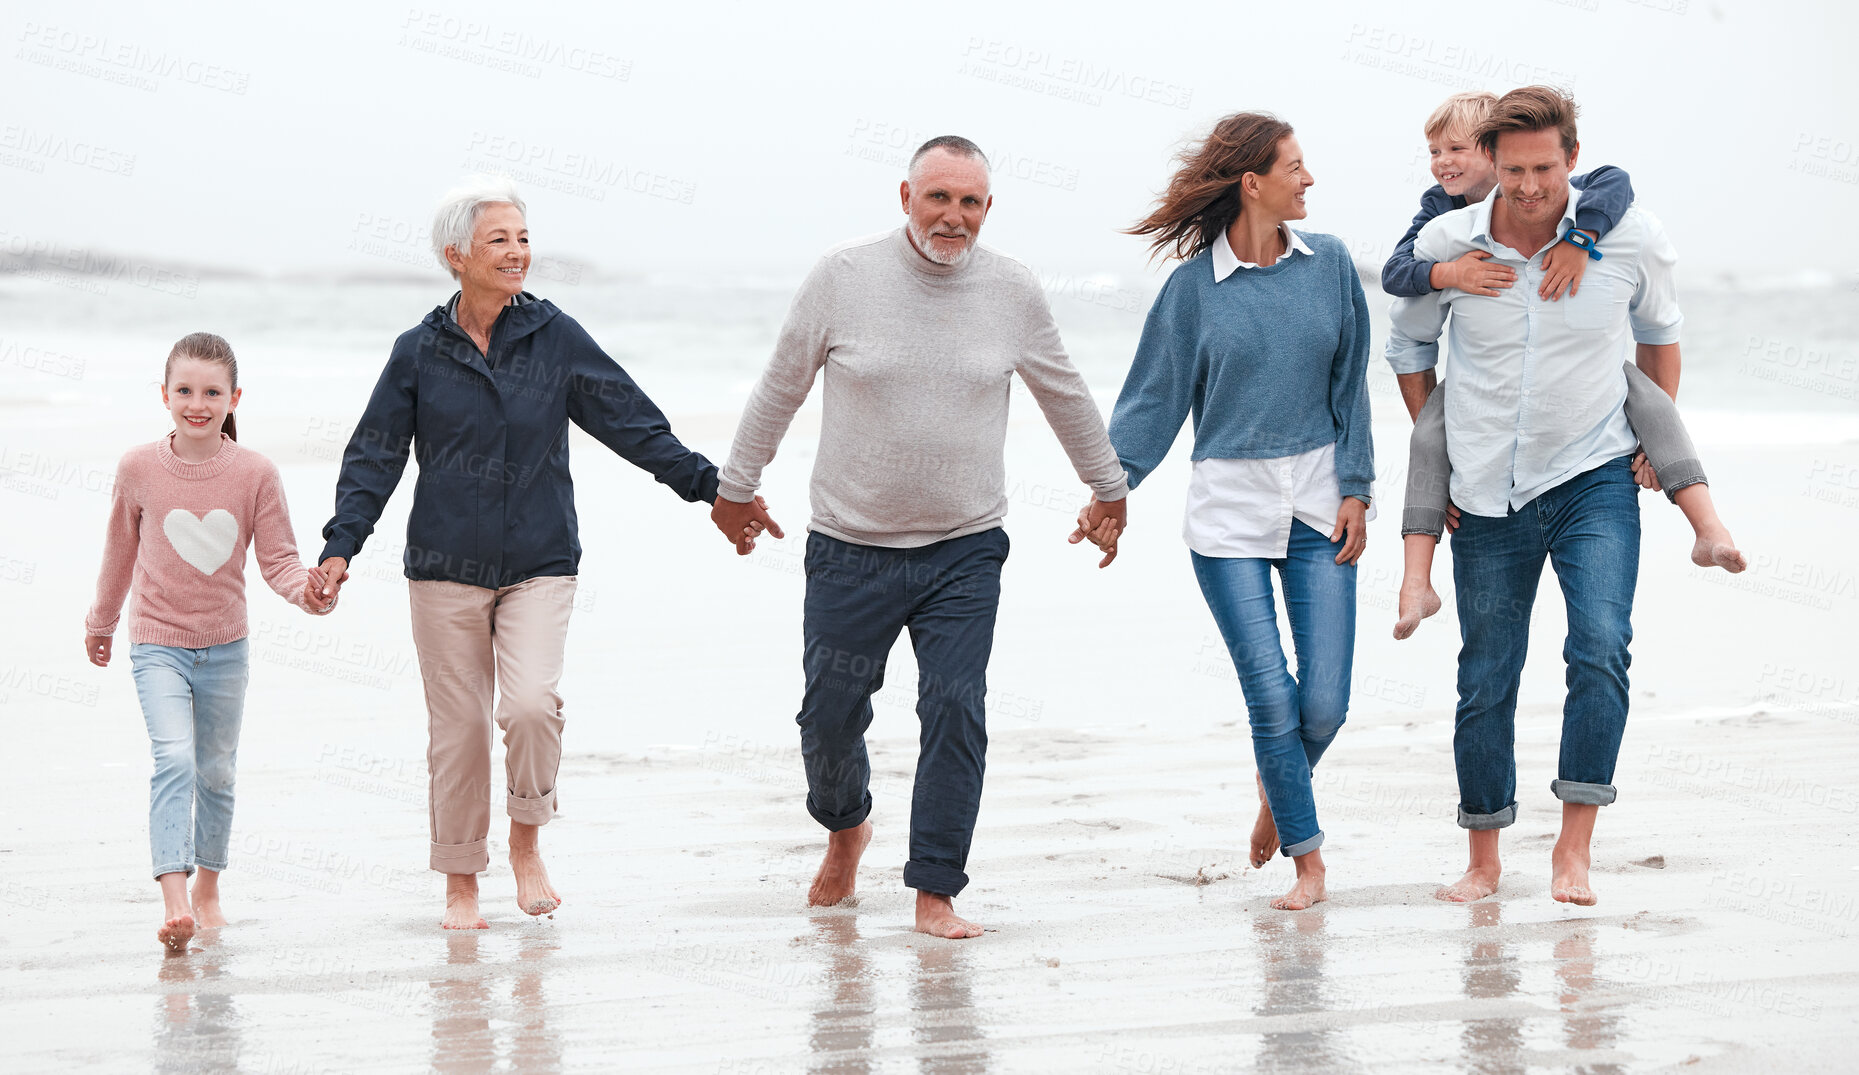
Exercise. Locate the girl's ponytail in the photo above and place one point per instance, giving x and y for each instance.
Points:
(207, 347)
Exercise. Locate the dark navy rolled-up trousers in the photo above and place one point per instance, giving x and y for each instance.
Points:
(859, 598)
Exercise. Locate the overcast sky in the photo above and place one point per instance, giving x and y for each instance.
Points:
(746, 137)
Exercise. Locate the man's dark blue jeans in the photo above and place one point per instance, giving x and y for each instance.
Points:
(1589, 530)
(859, 598)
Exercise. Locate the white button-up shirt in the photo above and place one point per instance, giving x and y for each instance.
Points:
(1244, 507)
(1538, 391)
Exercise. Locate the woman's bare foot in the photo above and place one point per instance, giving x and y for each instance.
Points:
(176, 932)
(1308, 889)
(1715, 549)
(205, 899)
(838, 875)
(936, 916)
(1478, 882)
(1568, 876)
(1264, 830)
(1418, 601)
(461, 903)
(534, 894)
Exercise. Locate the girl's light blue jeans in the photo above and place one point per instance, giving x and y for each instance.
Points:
(194, 702)
(1293, 718)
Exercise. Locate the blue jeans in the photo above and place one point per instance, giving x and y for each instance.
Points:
(194, 702)
(1588, 528)
(859, 598)
(1293, 719)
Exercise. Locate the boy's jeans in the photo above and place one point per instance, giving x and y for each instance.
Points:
(194, 702)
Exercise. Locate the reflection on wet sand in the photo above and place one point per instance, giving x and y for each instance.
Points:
(942, 1006)
(842, 1020)
(1491, 972)
(1584, 1030)
(195, 1029)
(1291, 952)
(463, 1005)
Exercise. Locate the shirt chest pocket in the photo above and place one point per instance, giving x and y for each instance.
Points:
(1597, 305)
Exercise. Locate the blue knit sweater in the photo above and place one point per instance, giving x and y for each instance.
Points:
(1271, 362)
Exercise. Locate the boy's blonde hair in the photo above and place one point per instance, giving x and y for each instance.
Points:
(1461, 114)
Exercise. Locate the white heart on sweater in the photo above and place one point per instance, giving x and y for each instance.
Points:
(205, 543)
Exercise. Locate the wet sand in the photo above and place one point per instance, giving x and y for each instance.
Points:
(1126, 932)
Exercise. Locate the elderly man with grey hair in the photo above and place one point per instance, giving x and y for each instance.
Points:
(919, 332)
(481, 392)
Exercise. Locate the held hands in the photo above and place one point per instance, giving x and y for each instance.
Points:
(1452, 517)
(1562, 267)
(324, 585)
(743, 523)
(1472, 274)
(1351, 529)
(1644, 474)
(97, 649)
(1103, 521)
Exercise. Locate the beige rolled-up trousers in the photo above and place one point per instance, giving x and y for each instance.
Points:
(475, 642)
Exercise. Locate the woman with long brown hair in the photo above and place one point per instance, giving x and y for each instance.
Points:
(1262, 334)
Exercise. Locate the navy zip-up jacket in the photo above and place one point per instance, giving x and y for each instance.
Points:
(1606, 193)
(494, 502)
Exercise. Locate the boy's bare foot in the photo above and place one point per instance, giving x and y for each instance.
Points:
(936, 916)
(838, 875)
(1418, 601)
(176, 932)
(1478, 882)
(1715, 549)
(1568, 876)
(534, 894)
(1264, 830)
(1307, 890)
(461, 903)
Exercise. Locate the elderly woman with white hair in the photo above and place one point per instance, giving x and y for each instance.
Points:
(481, 392)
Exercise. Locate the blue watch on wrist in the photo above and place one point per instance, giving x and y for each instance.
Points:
(1581, 240)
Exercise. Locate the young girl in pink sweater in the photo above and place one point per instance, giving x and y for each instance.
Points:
(182, 513)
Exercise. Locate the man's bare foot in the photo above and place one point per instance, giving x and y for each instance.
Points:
(461, 903)
(936, 916)
(838, 875)
(1264, 830)
(1568, 876)
(205, 899)
(1307, 891)
(1715, 549)
(1418, 601)
(176, 932)
(1478, 882)
(534, 894)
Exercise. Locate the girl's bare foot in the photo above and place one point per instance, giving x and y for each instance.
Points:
(1715, 549)
(176, 932)
(838, 874)
(1264, 830)
(936, 916)
(534, 894)
(461, 903)
(1418, 601)
(205, 899)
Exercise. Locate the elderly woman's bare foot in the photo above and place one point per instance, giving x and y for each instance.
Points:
(1568, 877)
(1417, 602)
(534, 894)
(936, 916)
(176, 932)
(461, 903)
(838, 875)
(1264, 830)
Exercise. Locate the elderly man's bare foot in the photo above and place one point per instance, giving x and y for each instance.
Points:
(838, 875)
(1568, 876)
(936, 916)
(1715, 549)
(1418, 601)
(176, 932)
(1478, 882)
(461, 903)
(1264, 830)
(1308, 890)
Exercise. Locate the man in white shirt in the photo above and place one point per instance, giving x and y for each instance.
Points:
(1540, 448)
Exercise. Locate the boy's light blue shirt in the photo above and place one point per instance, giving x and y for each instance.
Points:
(1538, 390)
